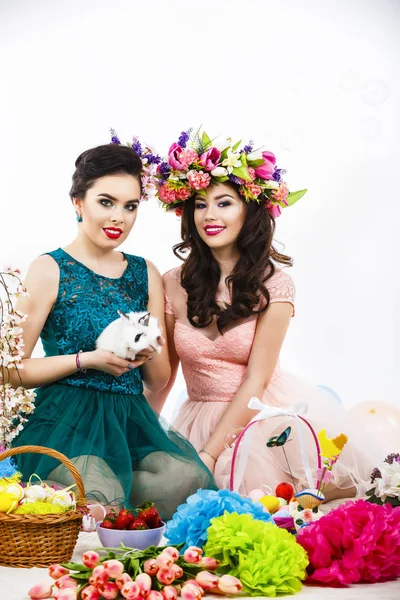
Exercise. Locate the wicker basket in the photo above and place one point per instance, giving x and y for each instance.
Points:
(41, 540)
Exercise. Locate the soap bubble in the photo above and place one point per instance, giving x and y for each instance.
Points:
(374, 92)
(370, 128)
(292, 139)
(350, 80)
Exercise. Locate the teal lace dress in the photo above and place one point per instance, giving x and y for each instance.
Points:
(125, 453)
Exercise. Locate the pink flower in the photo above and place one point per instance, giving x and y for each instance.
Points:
(90, 559)
(57, 571)
(174, 158)
(41, 590)
(173, 552)
(307, 515)
(281, 193)
(154, 595)
(169, 592)
(183, 193)
(192, 555)
(187, 157)
(131, 590)
(196, 585)
(254, 189)
(165, 575)
(198, 180)
(109, 590)
(166, 193)
(209, 160)
(252, 172)
(150, 566)
(90, 593)
(164, 560)
(207, 580)
(178, 211)
(113, 568)
(229, 585)
(273, 209)
(65, 594)
(66, 582)
(356, 542)
(178, 571)
(120, 581)
(266, 170)
(190, 592)
(209, 563)
(98, 576)
(144, 582)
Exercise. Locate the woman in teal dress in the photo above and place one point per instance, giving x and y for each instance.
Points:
(90, 404)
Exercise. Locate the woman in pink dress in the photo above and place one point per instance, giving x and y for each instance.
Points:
(228, 308)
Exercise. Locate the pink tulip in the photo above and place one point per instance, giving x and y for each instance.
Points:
(120, 581)
(173, 552)
(169, 592)
(65, 594)
(266, 170)
(165, 576)
(164, 560)
(155, 595)
(274, 210)
(190, 592)
(130, 590)
(144, 582)
(90, 593)
(209, 563)
(98, 576)
(108, 590)
(210, 160)
(174, 154)
(66, 582)
(178, 571)
(192, 555)
(41, 590)
(207, 580)
(229, 585)
(57, 571)
(90, 559)
(196, 585)
(113, 568)
(150, 566)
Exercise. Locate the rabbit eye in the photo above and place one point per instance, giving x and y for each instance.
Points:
(137, 338)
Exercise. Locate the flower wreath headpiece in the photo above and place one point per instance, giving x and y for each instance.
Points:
(196, 161)
(149, 159)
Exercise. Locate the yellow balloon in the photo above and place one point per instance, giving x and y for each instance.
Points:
(380, 421)
(271, 503)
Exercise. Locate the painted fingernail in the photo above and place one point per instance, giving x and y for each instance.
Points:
(130, 367)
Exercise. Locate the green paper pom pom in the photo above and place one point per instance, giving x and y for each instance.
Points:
(267, 560)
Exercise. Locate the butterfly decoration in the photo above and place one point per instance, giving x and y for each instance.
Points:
(279, 440)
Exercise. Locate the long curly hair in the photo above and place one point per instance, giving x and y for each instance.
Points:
(200, 273)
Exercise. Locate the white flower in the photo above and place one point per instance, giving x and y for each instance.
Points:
(270, 185)
(389, 483)
(221, 144)
(256, 155)
(232, 161)
(219, 172)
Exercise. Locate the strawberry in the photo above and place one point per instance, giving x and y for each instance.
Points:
(149, 514)
(107, 524)
(111, 516)
(123, 521)
(127, 511)
(138, 524)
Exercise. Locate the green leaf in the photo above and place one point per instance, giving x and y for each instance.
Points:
(293, 197)
(205, 139)
(236, 146)
(224, 155)
(242, 172)
(80, 576)
(72, 566)
(255, 163)
(221, 179)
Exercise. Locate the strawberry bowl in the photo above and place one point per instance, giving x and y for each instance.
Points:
(140, 539)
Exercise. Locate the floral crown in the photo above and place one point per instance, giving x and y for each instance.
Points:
(196, 161)
(149, 159)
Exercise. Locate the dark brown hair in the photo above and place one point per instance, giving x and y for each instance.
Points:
(109, 159)
(200, 274)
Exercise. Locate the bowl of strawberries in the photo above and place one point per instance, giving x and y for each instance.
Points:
(138, 528)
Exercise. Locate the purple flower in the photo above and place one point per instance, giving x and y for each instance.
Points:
(277, 175)
(184, 138)
(235, 179)
(153, 159)
(136, 146)
(391, 458)
(376, 474)
(114, 138)
(249, 147)
(164, 168)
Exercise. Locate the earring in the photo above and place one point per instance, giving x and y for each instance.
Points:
(79, 218)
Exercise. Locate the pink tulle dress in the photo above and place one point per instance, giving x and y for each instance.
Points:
(214, 370)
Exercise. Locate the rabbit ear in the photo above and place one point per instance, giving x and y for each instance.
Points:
(123, 315)
(145, 319)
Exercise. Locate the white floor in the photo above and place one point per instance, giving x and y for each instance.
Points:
(15, 583)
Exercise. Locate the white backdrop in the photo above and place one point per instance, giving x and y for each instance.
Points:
(315, 82)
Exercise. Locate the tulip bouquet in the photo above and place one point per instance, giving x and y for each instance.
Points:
(14, 402)
(152, 574)
(196, 161)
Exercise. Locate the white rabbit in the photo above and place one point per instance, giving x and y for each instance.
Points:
(130, 334)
